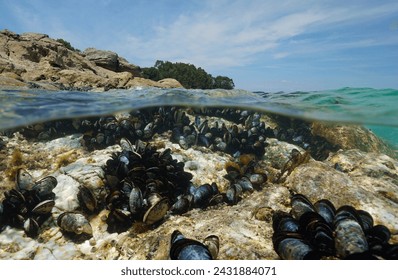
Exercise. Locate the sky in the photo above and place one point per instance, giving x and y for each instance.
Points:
(263, 45)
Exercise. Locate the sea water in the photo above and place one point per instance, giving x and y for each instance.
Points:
(377, 109)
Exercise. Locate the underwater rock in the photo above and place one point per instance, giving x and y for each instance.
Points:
(364, 180)
(317, 231)
(369, 182)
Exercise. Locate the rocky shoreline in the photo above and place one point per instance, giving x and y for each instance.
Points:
(33, 60)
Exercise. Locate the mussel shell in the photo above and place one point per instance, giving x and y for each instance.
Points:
(74, 223)
(121, 216)
(216, 199)
(182, 205)
(136, 201)
(202, 195)
(378, 235)
(31, 227)
(157, 211)
(292, 246)
(44, 187)
(246, 184)
(44, 207)
(87, 199)
(349, 236)
(24, 181)
(300, 205)
(257, 179)
(282, 221)
(326, 209)
(315, 229)
(366, 220)
(233, 194)
(212, 242)
(14, 202)
(182, 248)
(126, 145)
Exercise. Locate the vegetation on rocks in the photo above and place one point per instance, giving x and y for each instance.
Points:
(187, 74)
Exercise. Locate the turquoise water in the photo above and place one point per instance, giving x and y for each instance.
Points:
(377, 109)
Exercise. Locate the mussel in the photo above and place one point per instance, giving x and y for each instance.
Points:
(182, 248)
(74, 223)
(349, 235)
(87, 199)
(300, 205)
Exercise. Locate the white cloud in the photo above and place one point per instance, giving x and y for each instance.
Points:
(229, 33)
(224, 35)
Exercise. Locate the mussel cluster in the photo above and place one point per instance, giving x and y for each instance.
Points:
(137, 125)
(182, 248)
(142, 183)
(315, 231)
(29, 204)
(243, 176)
(235, 140)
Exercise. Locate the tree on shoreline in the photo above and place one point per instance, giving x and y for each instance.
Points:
(187, 74)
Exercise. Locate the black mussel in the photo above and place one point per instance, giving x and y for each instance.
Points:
(75, 223)
(31, 227)
(87, 199)
(182, 205)
(300, 205)
(293, 246)
(366, 220)
(24, 181)
(44, 187)
(44, 207)
(282, 221)
(16, 220)
(203, 194)
(233, 194)
(320, 235)
(136, 201)
(216, 199)
(119, 220)
(246, 184)
(349, 236)
(326, 209)
(378, 235)
(14, 202)
(257, 179)
(212, 242)
(182, 248)
(156, 211)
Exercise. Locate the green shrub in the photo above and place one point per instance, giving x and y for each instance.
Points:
(187, 74)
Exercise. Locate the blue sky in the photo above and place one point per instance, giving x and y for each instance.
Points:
(264, 45)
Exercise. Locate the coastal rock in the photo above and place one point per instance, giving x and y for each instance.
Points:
(170, 83)
(351, 137)
(38, 61)
(106, 59)
(111, 61)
